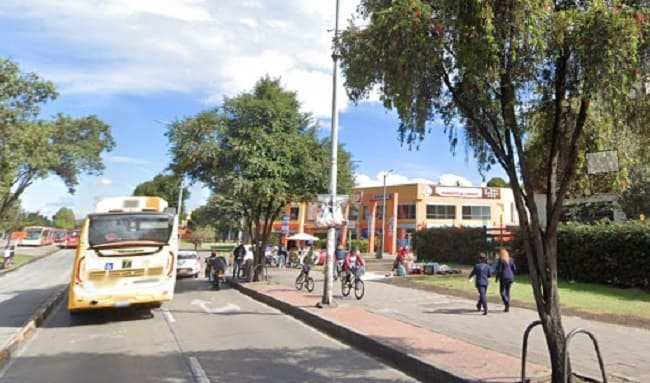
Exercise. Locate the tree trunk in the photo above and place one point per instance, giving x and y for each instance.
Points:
(542, 251)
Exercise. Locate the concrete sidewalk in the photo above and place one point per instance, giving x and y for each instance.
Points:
(424, 354)
(624, 349)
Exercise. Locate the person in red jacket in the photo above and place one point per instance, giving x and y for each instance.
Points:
(354, 263)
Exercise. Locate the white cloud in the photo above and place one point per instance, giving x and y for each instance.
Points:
(363, 180)
(105, 181)
(201, 47)
(454, 180)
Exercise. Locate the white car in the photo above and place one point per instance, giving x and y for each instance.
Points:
(189, 264)
(247, 256)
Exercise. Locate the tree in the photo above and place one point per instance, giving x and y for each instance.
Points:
(635, 200)
(259, 152)
(223, 214)
(497, 182)
(478, 68)
(36, 219)
(165, 186)
(64, 219)
(32, 148)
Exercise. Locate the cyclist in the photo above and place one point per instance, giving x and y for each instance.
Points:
(354, 263)
(306, 265)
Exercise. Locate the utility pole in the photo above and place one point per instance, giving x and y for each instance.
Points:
(331, 231)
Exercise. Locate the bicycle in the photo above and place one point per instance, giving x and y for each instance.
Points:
(346, 285)
(301, 281)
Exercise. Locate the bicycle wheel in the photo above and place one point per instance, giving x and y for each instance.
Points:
(346, 286)
(359, 289)
(309, 284)
(299, 282)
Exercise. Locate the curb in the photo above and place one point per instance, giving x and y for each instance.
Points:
(34, 259)
(409, 364)
(28, 329)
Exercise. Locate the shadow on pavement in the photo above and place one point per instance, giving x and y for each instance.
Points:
(281, 365)
(461, 311)
(17, 310)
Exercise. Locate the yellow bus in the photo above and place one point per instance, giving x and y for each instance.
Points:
(126, 255)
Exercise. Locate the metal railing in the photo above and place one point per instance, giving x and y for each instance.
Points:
(567, 341)
(524, 348)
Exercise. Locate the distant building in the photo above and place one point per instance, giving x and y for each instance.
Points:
(410, 207)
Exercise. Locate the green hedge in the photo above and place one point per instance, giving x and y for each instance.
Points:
(606, 253)
(449, 244)
(615, 254)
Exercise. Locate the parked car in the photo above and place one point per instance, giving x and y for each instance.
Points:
(189, 264)
(72, 239)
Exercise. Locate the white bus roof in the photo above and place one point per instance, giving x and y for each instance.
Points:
(130, 204)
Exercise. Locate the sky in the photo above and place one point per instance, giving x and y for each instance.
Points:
(140, 64)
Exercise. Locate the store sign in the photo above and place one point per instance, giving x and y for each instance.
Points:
(467, 192)
(285, 224)
(380, 197)
(460, 192)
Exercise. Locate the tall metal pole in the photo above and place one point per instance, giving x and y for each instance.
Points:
(331, 231)
(383, 219)
(180, 198)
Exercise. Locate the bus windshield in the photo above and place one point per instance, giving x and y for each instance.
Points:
(106, 229)
(33, 234)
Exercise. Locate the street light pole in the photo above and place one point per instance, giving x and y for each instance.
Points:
(331, 231)
(383, 218)
(180, 198)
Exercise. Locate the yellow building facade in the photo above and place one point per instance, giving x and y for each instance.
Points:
(409, 207)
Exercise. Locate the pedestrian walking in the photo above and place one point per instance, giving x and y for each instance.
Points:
(505, 275)
(482, 273)
(282, 256)
(238, 254)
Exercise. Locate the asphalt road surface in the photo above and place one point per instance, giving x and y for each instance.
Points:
(25, 289)
(201, 336)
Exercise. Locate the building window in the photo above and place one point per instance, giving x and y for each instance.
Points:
(441, 212)
(406, 211)
(477, 212)
(293, 216)
(365, 211)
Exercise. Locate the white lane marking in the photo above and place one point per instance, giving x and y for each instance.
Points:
(229, 308)
(6, 297)
(199, 373)
(168, 315)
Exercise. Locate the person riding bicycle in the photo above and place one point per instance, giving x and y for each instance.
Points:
(306, 266)
(354, 263)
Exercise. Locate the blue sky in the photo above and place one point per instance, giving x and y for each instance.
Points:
(139, 63)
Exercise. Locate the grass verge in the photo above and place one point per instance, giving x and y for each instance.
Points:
(591, 298)
(19, 259)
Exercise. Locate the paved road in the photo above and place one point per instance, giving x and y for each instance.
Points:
(201, 336)
(625, 349)
(25, 289)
